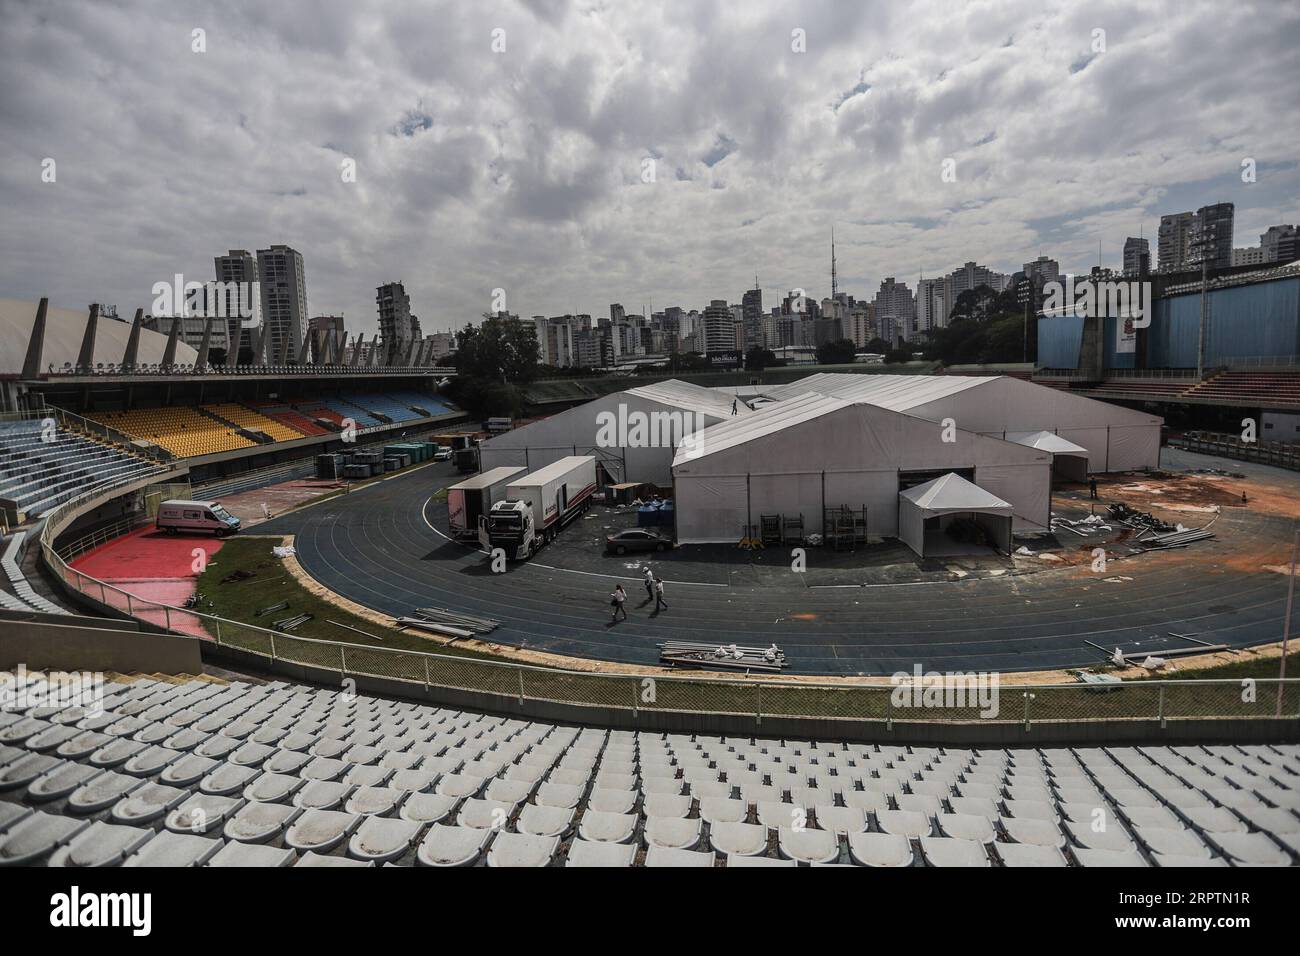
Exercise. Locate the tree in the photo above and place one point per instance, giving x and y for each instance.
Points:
(500, 349)
(839, 352)
(757, 359)
(494, 360)
(897, 356)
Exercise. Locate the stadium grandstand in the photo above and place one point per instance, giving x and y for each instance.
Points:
(222, 742)
(209, 772)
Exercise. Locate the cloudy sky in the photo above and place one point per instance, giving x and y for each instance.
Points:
(524, 169)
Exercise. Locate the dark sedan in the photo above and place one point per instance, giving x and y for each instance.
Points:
(636, 539)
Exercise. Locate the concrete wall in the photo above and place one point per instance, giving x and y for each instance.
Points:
(968, 734)
(77, 647)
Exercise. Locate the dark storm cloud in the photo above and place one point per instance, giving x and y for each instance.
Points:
(525, 169)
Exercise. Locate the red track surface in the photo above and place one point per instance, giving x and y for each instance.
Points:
(147, 554)
(154, 566)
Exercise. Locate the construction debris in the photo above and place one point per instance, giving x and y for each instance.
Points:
(1138, 520)
(729, 656)
(270, 610)
(446, 630)
(458, 619)
(1178, 538)
(290, 623)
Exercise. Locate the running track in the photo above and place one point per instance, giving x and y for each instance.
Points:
(377, 547)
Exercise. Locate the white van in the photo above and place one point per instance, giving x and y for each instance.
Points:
(176, 516)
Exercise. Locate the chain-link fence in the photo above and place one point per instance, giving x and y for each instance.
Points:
(928, 698)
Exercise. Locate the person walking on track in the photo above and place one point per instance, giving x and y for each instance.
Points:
(649, 585)
(659, 595)
(617, 599)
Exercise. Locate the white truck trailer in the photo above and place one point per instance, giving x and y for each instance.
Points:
(538, 505)
(469, 500)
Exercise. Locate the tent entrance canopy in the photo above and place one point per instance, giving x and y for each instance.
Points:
(951, 495)
(1069, 461)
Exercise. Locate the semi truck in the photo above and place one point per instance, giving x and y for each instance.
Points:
(471, 499)
(537, 506)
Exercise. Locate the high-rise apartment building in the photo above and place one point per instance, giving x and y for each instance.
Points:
(1280, 243)
(397, 327)
(719, 328)
(284, 302)
(1173, 241)
(895, 310)
(1211, 239)
(238, 265)
(1136, 250)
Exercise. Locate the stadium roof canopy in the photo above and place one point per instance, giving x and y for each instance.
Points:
(64, 331)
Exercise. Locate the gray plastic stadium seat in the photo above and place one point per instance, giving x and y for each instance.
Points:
(521, 850)
(100, 844)
(1036, 832)
(738, 839)
(427, 807)
(949, 851)
(1113, 837)
(322, 795)
(260, 822)
(745, 861)
(880, 849)
(1028, 855)
(252, 854)
(36, 835)
(714, 810)
(321, 860)
(169, 849)
(320, 831)
(600, 854)
(447, 845)
(146, 804)
(544, 821)
(1102, 858)
(202, 813)
(101, 792)
(905, 823)
(658, 856)
(380, 839)
(808, 845)
(678, 833)
(1251, 849)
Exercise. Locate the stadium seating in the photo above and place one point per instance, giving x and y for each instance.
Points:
(251, 420)
(286, 415)
(1270, 389)
(184, 432)
(337, 410)
(38, 474)
(199, 772)
(385, 405)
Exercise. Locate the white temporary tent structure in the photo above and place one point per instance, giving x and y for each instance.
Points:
(1116, 439)
(947, 497)
(633, 434)
(806, 454)
(1069, 460)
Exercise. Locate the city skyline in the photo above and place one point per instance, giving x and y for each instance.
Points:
(524, 170)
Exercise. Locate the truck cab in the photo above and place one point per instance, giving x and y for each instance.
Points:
(509, 525)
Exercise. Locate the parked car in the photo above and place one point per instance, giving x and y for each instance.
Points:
(443, 453)
(637, 539)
